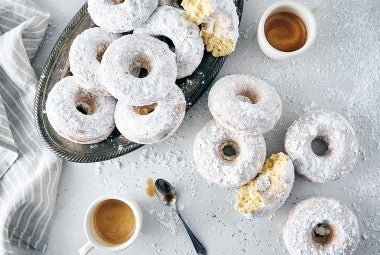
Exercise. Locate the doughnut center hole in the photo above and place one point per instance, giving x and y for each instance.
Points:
(145, 109)
(100, 51)
(117, 2)
(140, 66)
(248, 96)
(323, 234)
(320, 146)
(229, 150)
(168, 41)
(85, 103)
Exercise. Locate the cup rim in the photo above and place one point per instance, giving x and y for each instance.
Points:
(87, 221)
(295, 5)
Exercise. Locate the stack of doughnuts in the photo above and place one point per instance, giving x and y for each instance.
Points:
(230, 150)
(127, 81)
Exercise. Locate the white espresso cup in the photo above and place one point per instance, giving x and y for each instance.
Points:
(94, 240)
(298, 9)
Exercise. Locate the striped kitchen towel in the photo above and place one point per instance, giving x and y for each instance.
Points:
(29, 171)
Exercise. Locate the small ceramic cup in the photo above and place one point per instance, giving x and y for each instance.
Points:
(94, 240)
(307, 16)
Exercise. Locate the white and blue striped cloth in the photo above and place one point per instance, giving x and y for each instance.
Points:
(29, 172)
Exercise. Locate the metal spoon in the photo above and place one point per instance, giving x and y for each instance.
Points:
(167, 195)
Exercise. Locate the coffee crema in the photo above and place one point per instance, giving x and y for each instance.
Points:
(114, 221)
(285, 31)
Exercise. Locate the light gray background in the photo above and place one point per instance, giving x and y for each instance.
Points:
(340, 72)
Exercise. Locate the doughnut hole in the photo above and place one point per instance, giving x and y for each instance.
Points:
(140, 66)
(323, 234)
(85, 103)
(166, 40)
(229, 150)
(249, 96)
(145, 109)
(100, 49)
(115, 2)
(320, 146)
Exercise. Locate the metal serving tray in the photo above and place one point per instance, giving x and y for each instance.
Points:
(57, 67)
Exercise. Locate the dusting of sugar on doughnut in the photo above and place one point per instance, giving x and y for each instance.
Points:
(336, 132)
(118, 16)
(123, 62)
(268, 191)
(227, 158)
(153, 123)
(172, 23)
(220, 24)
(245, 104)
(80, 115)
(86, 53)
(321, 225)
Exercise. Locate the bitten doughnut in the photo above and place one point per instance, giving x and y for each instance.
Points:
(268, 191)
(151, 123)
(321, 225)
(80, 115)
(335, 132)
(118, 16)
(86, 53)
(131, 57)
(227, 158)
(220, 24)
(171, 22)
(245, 104)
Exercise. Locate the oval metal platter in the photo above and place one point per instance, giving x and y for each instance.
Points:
(57, 67)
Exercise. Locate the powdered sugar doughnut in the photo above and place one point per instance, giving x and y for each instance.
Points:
(269, 190)
(245, 104)
(86, 53)
(172, 23)
(151, 123)
(336, 132)
(220, 23)
(80, 115)
(118, 16)
(321, 225)
(124, 61)
(227, 158)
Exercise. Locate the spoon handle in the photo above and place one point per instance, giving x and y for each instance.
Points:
(199, 248)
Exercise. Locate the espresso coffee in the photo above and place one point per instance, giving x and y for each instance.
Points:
(114, 221)
(285, 31)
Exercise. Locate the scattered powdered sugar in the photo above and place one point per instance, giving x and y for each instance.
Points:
(103, 175)
(167, 218)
